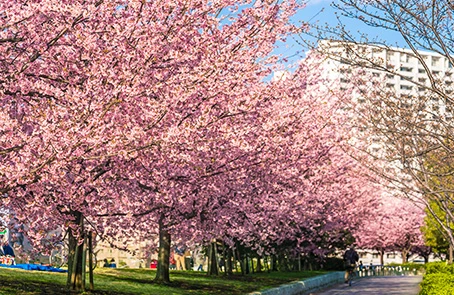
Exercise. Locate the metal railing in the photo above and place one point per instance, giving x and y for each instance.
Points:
(386, 270)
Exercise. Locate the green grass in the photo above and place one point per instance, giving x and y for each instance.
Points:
(140, 281)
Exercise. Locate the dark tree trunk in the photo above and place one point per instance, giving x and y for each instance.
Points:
(251, 260)
(382, 257)
(224, 257)
(213, 268)
(235, 264)
(273, 263)
(162, 272)
(246, 266)
(265, 259)
(283, 263)
(76, 263)
(90, 261)
(229, 264)
(240, 260)
(84, 263)
(259, 264)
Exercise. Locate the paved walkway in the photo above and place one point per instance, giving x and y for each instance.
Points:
(389, 285)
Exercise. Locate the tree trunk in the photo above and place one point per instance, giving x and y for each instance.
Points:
(259, 264)
(404, 256)
(273, 263)
(246, 264)
(162, 272)
(283, 263)
(382, 257)
(240, 260)
(265, 260)
(75, 267)
(229, 264)
(90, 261)
(213, 268)
(224, 257)
(71, 250)
(84, 263)
(235, 264)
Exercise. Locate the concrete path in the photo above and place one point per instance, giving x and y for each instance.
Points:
(389, 285)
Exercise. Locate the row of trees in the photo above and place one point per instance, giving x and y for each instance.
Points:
(138, 120)
(416, 129)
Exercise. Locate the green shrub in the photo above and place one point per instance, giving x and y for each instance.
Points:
(439, 267)
(437, 284)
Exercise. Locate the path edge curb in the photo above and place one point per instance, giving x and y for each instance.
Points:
(305, 286)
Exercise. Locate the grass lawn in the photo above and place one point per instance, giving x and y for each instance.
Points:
(140, 281)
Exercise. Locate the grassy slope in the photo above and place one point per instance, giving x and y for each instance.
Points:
(139, 281)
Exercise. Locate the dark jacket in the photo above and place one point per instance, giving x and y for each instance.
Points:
(7, 250)
(351, 256)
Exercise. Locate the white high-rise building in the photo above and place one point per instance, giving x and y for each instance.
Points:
(399, 70)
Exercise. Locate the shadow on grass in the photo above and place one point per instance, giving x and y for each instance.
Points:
(209, 285)
(135, 282)
(222, 284)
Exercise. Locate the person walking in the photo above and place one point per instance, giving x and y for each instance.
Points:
(350, 259)
(180, 258)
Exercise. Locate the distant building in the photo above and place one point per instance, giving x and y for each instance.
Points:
(132, 259)
(407, 75)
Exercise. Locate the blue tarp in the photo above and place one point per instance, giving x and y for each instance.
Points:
(34, 267)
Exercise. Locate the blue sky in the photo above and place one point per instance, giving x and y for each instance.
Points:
(320, 12)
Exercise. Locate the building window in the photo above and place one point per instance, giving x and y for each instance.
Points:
(421, 71)
(406, 69)
(404, 57)
(435, 61)
(405, 87)
(391, 255)
(375, 255)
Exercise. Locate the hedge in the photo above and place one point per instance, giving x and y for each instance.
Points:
(438, 280)
(437, 284)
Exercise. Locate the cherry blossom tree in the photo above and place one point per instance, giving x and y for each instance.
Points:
(306, 192)
(140, 119)
(114, 110)
(418, 125)
(394, 225)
